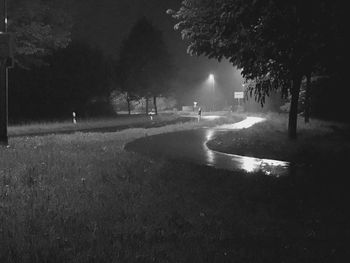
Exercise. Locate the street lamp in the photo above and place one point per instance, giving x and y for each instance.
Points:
(212, 80)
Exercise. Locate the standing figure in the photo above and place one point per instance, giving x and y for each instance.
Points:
(199, 113)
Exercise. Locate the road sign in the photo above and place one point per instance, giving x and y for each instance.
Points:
(239, 95)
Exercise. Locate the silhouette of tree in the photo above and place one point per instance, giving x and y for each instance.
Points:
(144, 67)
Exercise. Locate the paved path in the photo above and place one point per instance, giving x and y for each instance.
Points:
(192, 146)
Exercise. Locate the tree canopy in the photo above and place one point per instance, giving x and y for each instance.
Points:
(275, 42)
(39, 26)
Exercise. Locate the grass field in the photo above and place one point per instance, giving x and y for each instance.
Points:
(318, 141)
(82, 198)
(118, 122)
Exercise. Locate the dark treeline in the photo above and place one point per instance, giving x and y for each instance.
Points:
(80, 78)
(328, 100)
(77, 78)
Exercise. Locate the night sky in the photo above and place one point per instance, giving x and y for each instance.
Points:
(105, 23)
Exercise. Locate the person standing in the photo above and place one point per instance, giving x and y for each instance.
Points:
(199, 113)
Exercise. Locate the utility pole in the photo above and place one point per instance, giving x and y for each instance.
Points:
(212, 79)
(5, 51)
(213, 94)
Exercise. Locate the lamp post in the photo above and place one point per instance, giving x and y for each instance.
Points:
(212, 80)
(4, 48)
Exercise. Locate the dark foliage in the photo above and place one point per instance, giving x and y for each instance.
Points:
(327, 101)
(39, 28)
(76, 79)
(144, 68)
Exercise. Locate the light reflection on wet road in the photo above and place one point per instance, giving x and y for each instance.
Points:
(192, 146)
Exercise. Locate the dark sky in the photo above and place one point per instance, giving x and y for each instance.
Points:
(106, 23)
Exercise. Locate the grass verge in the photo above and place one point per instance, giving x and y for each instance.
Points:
(317, 141)
(81, 198)
(108, 124)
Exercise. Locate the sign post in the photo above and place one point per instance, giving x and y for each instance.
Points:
(239, 95)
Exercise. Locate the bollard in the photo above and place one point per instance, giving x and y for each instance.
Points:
(74, 119)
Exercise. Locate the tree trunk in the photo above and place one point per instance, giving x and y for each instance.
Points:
(129, 108)
(3, 103)
(146, 105)
(293, 112)
(155, 105)
(307, 98)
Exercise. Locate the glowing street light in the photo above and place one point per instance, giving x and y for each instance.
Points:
(212, 80)
(211, 77)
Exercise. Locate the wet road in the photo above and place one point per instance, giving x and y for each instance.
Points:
(191, 146)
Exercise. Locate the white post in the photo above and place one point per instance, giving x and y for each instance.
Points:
(74, 118)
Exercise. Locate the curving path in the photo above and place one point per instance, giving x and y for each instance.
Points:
(192, 146)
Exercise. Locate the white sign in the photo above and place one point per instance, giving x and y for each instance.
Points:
(239, 95)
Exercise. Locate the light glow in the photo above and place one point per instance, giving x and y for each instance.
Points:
(211, 117)
(249, 164)
(245, 163)
(211, 77)
(248, 122)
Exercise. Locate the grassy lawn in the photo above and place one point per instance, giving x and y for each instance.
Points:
(82, 198)
(318, 141)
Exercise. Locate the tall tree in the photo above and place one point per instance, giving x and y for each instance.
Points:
(144, 66)
(276, 43)
(124, 80)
